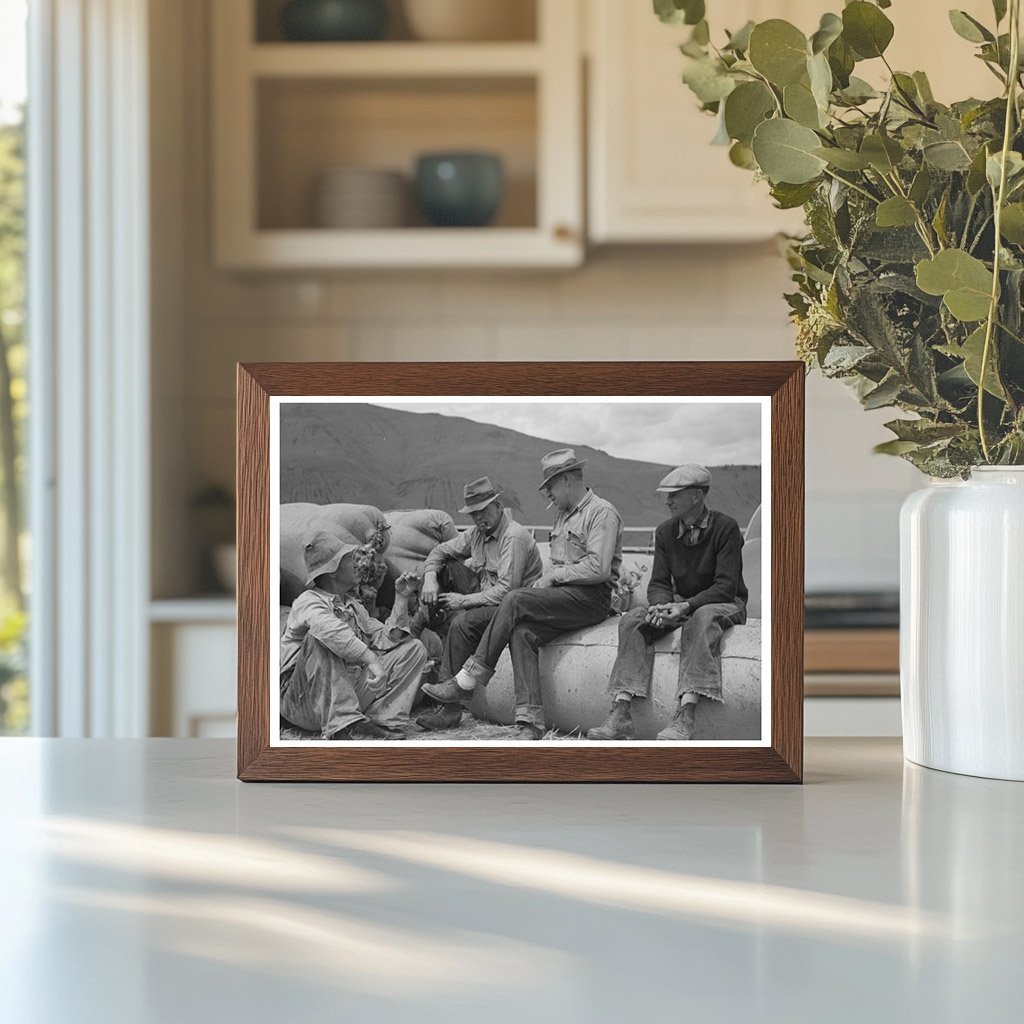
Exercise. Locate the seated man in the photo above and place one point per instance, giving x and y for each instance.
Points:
(696, 583)
(344, 674)
(482, 564)
(586, 555)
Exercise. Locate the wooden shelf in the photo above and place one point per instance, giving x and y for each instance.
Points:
(852, 650)
(393, 60)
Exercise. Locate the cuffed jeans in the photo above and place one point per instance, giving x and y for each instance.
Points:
(700, 662)
(325, 694)
(526, 619)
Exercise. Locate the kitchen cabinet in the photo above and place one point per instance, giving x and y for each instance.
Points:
(653, 175)
(286, 113)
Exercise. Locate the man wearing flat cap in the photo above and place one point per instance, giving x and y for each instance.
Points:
(696, 584)
(482, 565)
(345, 675)
(574, 592)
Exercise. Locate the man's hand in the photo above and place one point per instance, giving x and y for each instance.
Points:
(668, 616)
(453, 602)
(374, 678)
(406, 584)
(430, 591)
(544, 583)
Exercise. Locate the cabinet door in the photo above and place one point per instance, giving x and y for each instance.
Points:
(653, 174)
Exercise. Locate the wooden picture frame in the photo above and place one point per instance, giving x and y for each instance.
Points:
(778, 759)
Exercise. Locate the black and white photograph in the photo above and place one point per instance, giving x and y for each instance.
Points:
(491, 570)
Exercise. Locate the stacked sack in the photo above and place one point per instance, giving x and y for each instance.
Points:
(356, 524)
(414, 534)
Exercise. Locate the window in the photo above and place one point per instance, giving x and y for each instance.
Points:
(14, 551)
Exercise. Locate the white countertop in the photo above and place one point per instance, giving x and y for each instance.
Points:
(144, 885)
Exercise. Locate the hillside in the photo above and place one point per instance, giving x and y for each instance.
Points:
(368, 455)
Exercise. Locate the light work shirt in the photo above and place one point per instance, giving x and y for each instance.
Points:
(503, 560)
(586, 543)
(341, 624)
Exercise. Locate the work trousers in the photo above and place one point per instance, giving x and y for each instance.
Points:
(465, 628)
(700, 662)
(526, 619)
(325, 694)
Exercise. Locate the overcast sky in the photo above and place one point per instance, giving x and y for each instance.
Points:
(712, 433)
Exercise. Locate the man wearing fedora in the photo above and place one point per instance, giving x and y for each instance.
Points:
(697, 584)
(574, 592)
(344, 674)
(482, 565)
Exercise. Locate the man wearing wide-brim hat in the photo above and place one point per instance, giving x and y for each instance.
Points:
(696, 585)
(481, 565)
(574, 592)
(345, 675)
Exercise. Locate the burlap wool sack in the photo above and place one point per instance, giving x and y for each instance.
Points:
(356, 524)
(414, 533)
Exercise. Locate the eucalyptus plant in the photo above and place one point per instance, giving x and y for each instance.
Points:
(909, 279)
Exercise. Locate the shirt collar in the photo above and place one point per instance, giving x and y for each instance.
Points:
(584, 501)
(701, 524)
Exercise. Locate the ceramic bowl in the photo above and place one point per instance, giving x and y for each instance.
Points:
(470, 20)
(334, 20)
(460, 189)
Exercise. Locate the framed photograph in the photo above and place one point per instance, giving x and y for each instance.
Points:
(512, 572)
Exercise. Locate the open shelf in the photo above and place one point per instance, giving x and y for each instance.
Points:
(287, 113)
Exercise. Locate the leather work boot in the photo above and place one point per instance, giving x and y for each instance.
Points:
(448, 692)
(618, 725)
(681, 726)
(528, 731)
(446, 716)
(361, 731)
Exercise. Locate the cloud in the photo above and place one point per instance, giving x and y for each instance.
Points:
(716, 433)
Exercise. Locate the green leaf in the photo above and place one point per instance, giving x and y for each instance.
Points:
(968, 28)
(785, 152)
(789, 197)
(999, 7)
(994, 166)
(841, 60)
(866, 29)
(924, 88)
(923, 431)
(800, 105)
(946, 156)
(779, 51)
(963, 281)
(939, 220)
(844, 159)
(745, 108)
(701, 33)
(820, 75)
(859, 91)
(708, 81)
(676, 12)
(921, 185)
(830, 28)
(742, 155)
(739, 41)
(883, 153)
(895, 447)
(885, 394)
(895, 213)
(976, 174)
(971, 352)
(1011, 225)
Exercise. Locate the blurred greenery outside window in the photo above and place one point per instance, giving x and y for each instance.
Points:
(14, 551)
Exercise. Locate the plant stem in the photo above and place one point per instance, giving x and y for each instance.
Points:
(993, 308)
(922, 225)
(855, 187)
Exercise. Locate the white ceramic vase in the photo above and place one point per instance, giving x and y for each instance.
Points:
(962, 624)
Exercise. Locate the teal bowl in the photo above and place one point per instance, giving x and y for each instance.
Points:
(334, 21)
(462, 190)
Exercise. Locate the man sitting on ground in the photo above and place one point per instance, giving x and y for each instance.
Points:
(696, 583)
(346, 675)
(481, 566)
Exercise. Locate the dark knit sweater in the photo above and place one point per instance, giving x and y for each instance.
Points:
(709, 572)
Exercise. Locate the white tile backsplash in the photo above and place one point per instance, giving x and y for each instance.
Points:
(718, 302)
